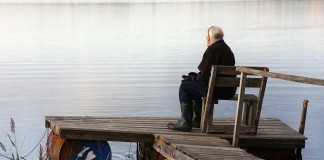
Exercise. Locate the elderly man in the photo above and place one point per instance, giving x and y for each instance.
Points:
(194, 86)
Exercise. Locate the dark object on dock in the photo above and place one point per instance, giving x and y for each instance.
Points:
(152, 132)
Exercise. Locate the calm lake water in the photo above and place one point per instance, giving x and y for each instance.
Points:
(127, 60)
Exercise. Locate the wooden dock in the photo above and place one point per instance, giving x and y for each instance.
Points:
(272, 134)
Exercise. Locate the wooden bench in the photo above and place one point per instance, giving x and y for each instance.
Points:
(252, 103)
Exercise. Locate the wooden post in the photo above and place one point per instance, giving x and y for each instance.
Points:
(238, 119)
(207, 111)
(260, 100)
(302, 126)
(203, 99)
(303, 118)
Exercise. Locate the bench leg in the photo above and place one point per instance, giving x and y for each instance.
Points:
(246, 109)
(249, 113)
(202, 111)
(254, 111)
(209, 117)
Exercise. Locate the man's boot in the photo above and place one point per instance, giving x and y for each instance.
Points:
(185, 123)
(196, 113)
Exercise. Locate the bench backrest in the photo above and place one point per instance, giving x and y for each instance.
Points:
(251, 81)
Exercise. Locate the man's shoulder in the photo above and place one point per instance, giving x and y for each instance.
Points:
(218, 45)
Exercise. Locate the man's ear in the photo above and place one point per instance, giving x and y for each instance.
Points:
(208, 40)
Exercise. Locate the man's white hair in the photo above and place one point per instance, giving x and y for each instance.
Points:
(215, 33)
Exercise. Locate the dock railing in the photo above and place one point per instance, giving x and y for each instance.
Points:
(244, 71)
(287, 77)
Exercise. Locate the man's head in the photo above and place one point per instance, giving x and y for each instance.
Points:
(214, 34)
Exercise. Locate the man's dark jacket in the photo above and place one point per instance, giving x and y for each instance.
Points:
(219, 53)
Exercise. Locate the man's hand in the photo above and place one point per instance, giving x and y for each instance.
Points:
(190, 77)
(186, 78)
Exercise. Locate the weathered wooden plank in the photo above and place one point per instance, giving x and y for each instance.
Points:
(228, 128)
(278, 144)
(200, 151)
(194, 140)
(154, 120)
(230, 70)
(268, 137)
(235, 82)
(107, 136)
(172, 153)
(288, 77)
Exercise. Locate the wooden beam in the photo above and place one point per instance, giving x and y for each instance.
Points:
(230, 70)
(207, 111)
(260, 102)
(233, 81)
(287, 77)
(238, 118)
(303, 117)
(105, 136)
